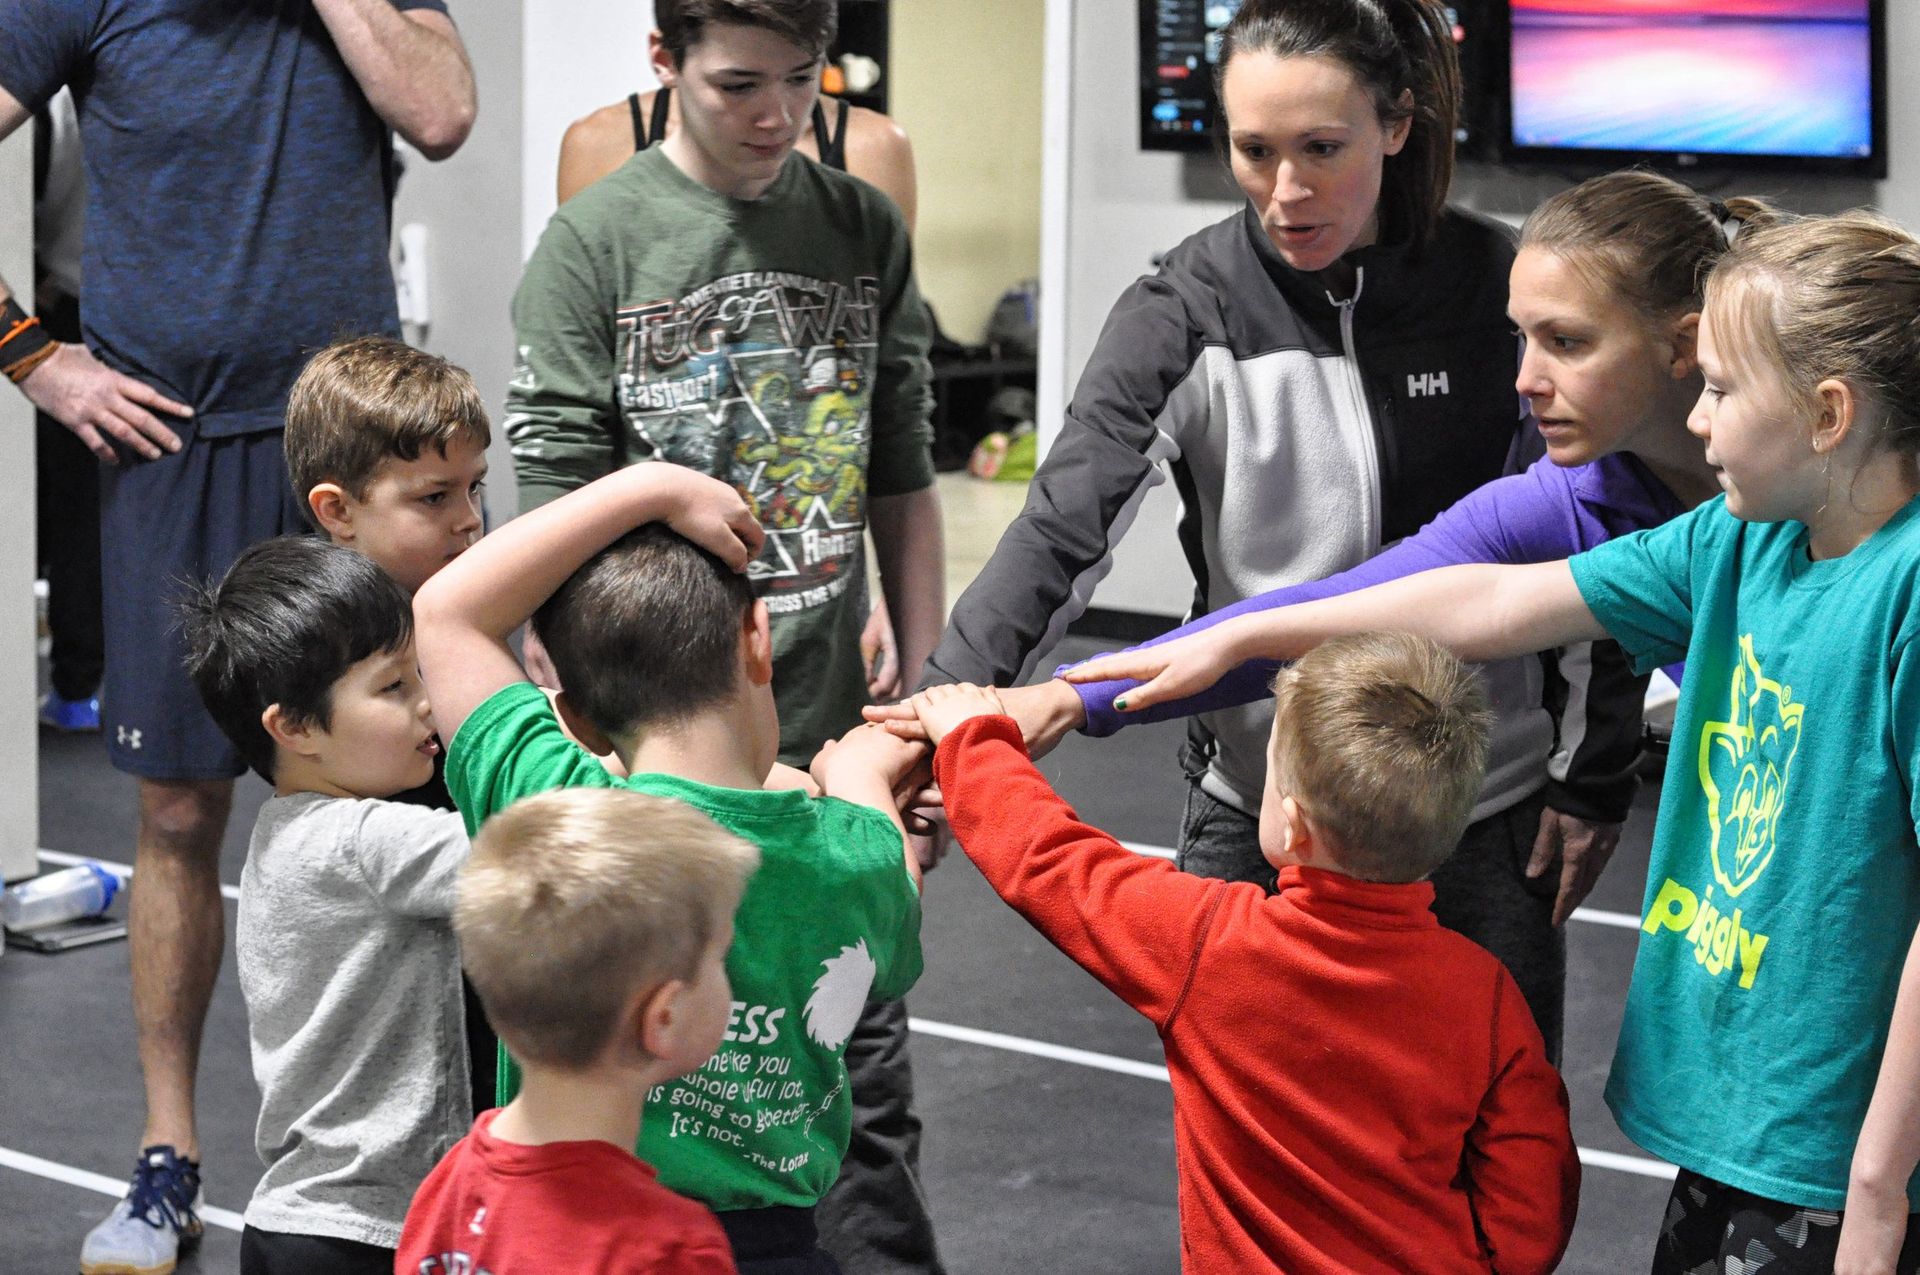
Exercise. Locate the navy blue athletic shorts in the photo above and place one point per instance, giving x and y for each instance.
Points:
(163, 523)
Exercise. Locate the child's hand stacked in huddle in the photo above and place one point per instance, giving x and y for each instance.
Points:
(942, 708)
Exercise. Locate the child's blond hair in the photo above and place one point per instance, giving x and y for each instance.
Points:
(574, 899)
(1382, 740)
(1798, 300)
(366, 400)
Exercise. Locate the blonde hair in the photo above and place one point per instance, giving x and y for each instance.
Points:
(1639, 235)
(1813, 298)
(574, 899)
(365, 400)
(1382, 740)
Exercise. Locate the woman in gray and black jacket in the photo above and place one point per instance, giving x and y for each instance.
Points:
(1320, 374)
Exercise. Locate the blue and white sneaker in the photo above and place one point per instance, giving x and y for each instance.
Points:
(72, 715)
(159, 1216)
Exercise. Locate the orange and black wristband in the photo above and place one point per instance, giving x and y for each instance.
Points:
(24, 343)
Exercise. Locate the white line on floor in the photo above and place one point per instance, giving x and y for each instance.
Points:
(121, 870)
(927, 1027)
(1038, 1048)
(1149, 1071)
(1594, 916)
(100, 1182)
(1627, 1163)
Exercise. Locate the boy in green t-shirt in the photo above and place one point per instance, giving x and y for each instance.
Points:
(666, 660)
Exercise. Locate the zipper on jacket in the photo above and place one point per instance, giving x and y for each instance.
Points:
(1363, 415)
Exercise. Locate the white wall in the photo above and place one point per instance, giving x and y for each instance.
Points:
(1111, 206)
(578, 55)
(19, 736)
(540, 65)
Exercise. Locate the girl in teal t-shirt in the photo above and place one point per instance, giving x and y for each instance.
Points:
(1771, 1044)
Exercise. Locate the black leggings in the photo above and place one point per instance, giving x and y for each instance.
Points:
(1711, 1228)
(276, 1253)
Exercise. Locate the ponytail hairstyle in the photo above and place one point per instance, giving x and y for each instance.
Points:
(1395, 48)
(1818, 298)
(1641, 236)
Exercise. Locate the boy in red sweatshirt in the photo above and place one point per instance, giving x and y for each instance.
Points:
(1355, 1089)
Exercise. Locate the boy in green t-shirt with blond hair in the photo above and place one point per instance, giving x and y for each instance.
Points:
(666, 661)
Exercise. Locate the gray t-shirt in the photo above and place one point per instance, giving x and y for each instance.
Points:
(352, 981)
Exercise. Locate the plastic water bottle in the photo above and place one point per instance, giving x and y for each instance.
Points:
(67, 895)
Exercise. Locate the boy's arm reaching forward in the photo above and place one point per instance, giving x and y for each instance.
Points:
(1134, 923)
(870, 767)
(1521, 1170)
(463, 615)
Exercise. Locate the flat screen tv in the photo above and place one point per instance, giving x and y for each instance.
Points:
(1777, 84)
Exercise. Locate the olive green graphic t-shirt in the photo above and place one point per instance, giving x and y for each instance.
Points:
(830, 921)
(778, 344)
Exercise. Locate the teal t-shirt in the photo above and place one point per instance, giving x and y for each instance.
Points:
(830, 921)
(1784, 884)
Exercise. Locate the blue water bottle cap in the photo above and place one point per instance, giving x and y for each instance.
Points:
(109, 885)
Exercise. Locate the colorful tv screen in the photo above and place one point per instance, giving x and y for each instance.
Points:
(1699, 81)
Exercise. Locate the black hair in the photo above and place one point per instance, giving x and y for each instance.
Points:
(285, 623)
(1395, 48)
(648, 631)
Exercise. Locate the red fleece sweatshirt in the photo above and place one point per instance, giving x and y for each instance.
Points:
(1355, 1089)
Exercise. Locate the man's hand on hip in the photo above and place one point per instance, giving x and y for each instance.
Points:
(101, 406)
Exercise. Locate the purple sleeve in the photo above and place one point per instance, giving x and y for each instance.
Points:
(1527, 517)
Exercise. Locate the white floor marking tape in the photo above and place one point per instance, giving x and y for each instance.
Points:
(1149, 1071)
(100, 1182)
(1594, 916)
(121, 870)
(926, 1027)
(1627, 1164)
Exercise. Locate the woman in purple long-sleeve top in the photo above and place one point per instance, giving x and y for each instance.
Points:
(1605, 291)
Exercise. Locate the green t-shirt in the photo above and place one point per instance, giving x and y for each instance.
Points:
(777, 343)
(830, 921)
(1784, 885)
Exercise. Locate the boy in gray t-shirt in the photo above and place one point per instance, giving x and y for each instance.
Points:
(304, 655)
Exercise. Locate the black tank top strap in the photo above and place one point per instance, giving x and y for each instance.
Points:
(639, 127)
(833, 146)
(662, 100)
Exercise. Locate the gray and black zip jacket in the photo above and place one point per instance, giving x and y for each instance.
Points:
(1302, 432)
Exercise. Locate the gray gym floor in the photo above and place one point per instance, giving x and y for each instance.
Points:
(1033, 1160)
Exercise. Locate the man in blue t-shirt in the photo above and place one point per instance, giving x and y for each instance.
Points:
(239, 174)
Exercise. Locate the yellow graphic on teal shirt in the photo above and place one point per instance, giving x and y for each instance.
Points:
(1745, 763)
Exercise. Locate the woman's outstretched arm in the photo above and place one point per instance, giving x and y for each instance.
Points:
(1481, 612)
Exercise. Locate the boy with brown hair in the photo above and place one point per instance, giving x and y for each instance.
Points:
(1354, 1087)
(666, 658)
(387, 449)
(595, 924)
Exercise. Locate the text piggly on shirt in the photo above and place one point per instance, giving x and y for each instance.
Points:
(1745, 764)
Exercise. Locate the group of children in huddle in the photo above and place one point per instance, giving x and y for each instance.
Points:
(673, 944)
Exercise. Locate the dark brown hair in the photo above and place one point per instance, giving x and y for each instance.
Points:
(1394, 48)
(647, 632)
(366, 400)
(807, 24)
(1647, 238)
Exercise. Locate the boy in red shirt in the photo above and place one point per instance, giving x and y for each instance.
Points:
(595, 925)
(1355, 1088)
